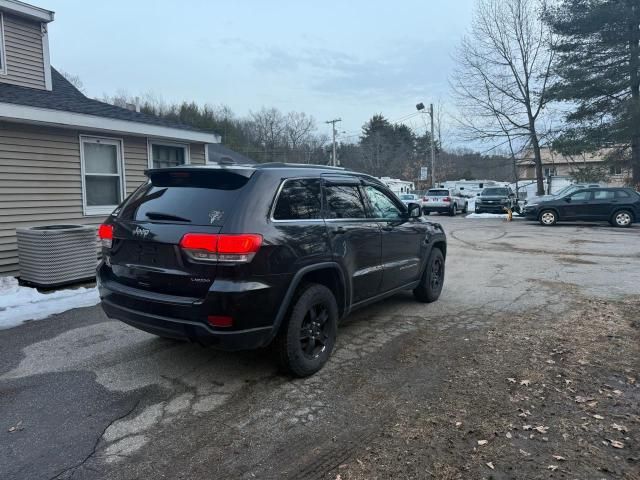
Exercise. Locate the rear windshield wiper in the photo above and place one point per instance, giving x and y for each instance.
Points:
(166, 216)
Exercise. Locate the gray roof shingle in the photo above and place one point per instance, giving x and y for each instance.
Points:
(64, 96)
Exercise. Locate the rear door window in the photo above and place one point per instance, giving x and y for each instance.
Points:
(603, 195)
(197, 197)
(299, 199)
(344, 201)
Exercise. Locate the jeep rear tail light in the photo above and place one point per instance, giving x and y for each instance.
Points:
(221, 248)
(105, 232)
(446, 199)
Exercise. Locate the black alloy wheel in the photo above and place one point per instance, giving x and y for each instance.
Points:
(315, 331)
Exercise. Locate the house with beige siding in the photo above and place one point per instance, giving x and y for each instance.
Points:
(66, 158)
(556, 164)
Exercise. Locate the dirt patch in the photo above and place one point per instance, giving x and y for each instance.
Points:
(533, 397)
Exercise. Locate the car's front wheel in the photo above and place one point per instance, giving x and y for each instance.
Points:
(466, 207)
(454, 210)
(622, 219)
(548, 218)
(432, 281)
(306, 340)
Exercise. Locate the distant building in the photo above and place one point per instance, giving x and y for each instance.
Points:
(554, 164)
(398, 186)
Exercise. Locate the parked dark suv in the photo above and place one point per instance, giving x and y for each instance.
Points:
(241, 257)
(618, 206)
(496, 200)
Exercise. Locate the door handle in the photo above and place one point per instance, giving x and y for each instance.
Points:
(338, 231)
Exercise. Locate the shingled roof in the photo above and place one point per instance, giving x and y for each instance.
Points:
(65, 97)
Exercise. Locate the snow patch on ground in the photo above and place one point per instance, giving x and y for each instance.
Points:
(19, 304)
(492, 215)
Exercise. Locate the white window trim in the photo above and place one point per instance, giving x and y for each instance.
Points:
(89, 210)
(3, 49)
(44, 28)
(164, 143)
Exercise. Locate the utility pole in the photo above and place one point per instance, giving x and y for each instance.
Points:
(433, 149)
(333, 122)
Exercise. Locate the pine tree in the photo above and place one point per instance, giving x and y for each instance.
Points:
(599, 75)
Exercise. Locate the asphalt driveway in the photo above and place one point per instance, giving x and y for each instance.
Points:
(532, 321)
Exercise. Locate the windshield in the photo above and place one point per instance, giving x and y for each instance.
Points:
(407, 197)
(498, 192)
(438, 193)
(566, 190)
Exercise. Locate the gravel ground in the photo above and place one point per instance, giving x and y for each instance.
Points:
(527, 367)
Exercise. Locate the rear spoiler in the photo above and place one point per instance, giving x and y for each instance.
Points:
(242, 170)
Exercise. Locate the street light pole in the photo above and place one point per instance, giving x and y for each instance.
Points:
(420, 108)
(433, 149)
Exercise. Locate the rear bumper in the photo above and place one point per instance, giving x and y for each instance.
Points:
(189, 330)
(253, 306)
(437, 208)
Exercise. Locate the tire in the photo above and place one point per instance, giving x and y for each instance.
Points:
(622, 219)
(306, 340)
(430, 288)
(454, 210)
(548, 218)
(466, 207)
(425, 212)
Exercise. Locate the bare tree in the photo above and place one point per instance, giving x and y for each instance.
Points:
(299, 126)
(268, 130)
(74, 80)
(503, 73)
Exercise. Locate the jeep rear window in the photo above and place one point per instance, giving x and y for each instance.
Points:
(197, 197)
(438, 193)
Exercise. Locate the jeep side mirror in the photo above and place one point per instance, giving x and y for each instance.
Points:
(414, 210)
(567, 199)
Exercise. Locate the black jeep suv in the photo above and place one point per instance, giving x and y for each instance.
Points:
(243, 256)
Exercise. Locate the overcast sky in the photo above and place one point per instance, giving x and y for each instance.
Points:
(328, 58)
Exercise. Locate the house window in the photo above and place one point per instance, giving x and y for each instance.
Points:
(102, 174)
(550, 172)
(615, 170)
(168, 155)
(3, 64)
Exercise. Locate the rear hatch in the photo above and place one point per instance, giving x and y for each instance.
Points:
(438, 198)
(146, 252)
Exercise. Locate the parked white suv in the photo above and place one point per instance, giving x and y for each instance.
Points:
(443, 200)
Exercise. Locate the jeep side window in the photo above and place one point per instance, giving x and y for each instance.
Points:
(382, 205)
(299, 199)
(344, 201)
